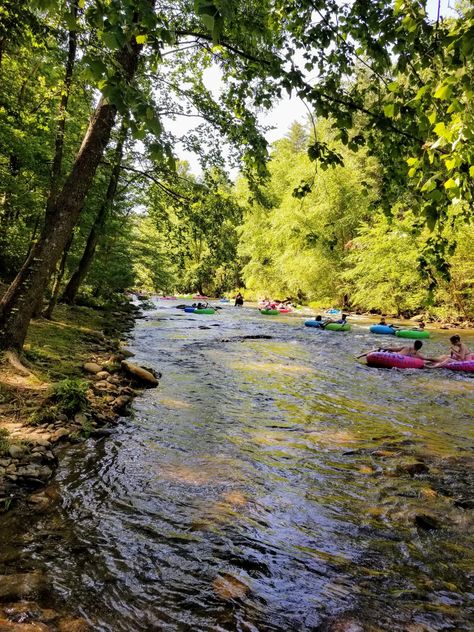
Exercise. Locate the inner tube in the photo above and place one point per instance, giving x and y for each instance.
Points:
(412, 333)
(382, 329)
(314, 323)
(333, 311)
(205, 310)
(224, 300)
(338, 327)
(389, 360)
(269, 312)
(200, 296)
(285, 310)
(190, 310)
(460, 365)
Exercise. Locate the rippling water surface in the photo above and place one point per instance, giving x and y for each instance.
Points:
(267, 484)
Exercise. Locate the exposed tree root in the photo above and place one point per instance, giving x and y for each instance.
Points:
(14, 361)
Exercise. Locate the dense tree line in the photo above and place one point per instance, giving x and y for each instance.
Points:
(92, 197)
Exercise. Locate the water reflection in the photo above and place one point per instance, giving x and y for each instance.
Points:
(269, 485)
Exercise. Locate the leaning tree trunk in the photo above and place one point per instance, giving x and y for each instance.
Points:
(18, 303)
(79, 275)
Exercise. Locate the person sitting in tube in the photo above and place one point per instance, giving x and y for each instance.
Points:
(412, 352)
(458, 352)
(385, 324)
(341, 321)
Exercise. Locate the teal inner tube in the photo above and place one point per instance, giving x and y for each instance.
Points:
(412, 333)
(269, 312)
(382, 329)
(338, 327)
(205, 310)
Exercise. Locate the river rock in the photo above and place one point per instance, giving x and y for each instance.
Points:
(126, 390)
(114, 379)
(5, 462)
(121, 404)
(139, 373)
(22, 585)
(80, 418)
(16, 451)
(36, 457)
(11, 626)
(413, 469)
(39, 472)
(102, 375)
(92, 367)
(74, 625)
(59, 435)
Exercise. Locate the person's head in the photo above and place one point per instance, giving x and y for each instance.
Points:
(455, 340)
(382, 320)
(344, 316)
(421, 324)
(417, 345)
(318, 318)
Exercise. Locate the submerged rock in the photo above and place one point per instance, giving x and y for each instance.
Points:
(21, 585)
(426, 522)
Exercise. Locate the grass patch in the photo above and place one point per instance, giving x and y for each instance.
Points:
(58, 348)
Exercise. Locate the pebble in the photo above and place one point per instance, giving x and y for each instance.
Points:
(16, 451)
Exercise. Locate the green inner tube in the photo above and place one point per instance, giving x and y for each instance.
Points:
(412, 333)
(269, 312)
(205, 310)
(338, 327)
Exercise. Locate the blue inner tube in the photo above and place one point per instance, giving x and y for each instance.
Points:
(313, 323)
(190, 310)
(382, 329)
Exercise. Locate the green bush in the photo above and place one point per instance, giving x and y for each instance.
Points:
(70, 396)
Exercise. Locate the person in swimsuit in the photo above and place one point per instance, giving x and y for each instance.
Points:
(458, 352)
(412, 352)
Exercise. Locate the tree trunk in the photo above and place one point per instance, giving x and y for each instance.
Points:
(79, 275)
(59, 141)
(19, 301)
(57, 281)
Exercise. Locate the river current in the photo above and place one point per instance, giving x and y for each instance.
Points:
(268, 484)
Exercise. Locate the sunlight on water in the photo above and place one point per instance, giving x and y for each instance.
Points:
(268, 485)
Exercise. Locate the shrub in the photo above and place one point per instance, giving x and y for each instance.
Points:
(70, 396)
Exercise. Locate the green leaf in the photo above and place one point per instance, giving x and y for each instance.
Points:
(141, 39)
(393, 86)
(443, 92)
(450, 184)
(432, 117)
(389, 110)
(471, 171)
(440, 130)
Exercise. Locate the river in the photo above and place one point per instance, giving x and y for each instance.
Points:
(268, 484)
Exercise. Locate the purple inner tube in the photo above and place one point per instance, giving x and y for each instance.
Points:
(456, 365)
(388, 360)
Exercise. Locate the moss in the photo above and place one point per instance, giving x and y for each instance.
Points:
(58, 348)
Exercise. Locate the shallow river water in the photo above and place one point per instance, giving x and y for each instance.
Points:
(268, 485)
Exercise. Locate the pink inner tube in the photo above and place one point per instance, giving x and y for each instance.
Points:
(285, 310)
(388, 360)
(458, 365)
